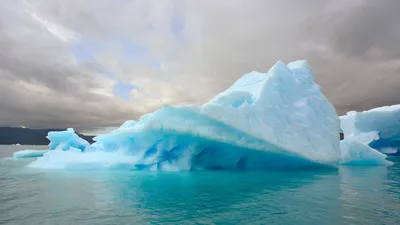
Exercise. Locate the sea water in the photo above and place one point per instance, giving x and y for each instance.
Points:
(348, 195)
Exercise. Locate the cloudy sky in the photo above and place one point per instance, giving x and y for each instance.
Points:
(96, 63)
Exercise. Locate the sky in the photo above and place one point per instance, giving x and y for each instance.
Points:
(94, 64)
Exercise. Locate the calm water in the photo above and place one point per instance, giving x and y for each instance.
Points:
(350, 195)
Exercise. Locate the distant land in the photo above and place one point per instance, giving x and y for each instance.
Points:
(27, 136)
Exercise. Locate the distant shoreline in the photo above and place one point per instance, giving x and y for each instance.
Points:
(27, 136)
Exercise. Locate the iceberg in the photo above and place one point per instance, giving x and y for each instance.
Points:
(355, 153)
(274, 120)
(64, 140)
(29, 153)
(378, 128)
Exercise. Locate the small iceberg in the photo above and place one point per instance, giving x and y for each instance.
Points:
(64, 140)
(374, 133)
(355, 153)
(370, 135)
(379, 128)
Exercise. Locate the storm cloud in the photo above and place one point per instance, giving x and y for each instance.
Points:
(96, 63)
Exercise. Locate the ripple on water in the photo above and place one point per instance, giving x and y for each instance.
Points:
(349, 195)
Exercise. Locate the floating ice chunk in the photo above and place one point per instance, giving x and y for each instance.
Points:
(29, 153)
(63, 140)
(274, 120)
(357, 153)
(379, 128)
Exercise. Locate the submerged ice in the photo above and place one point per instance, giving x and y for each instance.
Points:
(274, 120)
(29, 153)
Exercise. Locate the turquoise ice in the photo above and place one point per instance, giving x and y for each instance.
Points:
(370, 135)
(29, 153)
(64, 140)
(379, 128)
(274, 120)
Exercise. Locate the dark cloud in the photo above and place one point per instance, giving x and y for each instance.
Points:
(351, 46)
(369, 31)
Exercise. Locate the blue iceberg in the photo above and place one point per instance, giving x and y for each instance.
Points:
(59, 140)
(64, 140)
(378, 128)
(371, 134)
(355, 153)
(274, 120)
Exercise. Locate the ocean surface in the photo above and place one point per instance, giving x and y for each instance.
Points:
(348, 195)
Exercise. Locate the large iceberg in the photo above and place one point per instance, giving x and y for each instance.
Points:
(274, 120)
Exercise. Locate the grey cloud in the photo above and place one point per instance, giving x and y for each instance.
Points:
(370, 30)
(362, 55)
(352, 48)
(40, 85)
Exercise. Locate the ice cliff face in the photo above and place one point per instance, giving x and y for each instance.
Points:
(274, 120)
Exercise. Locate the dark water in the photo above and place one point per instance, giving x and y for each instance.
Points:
(349, 195)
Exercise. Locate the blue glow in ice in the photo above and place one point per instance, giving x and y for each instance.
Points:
(356, 153)
(378, 128)
(64, 140)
